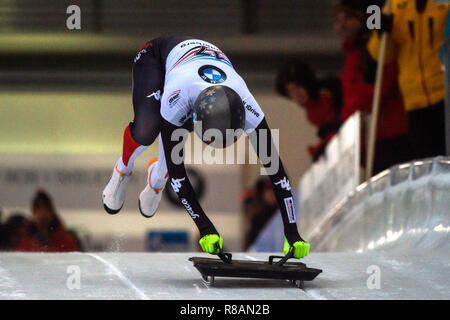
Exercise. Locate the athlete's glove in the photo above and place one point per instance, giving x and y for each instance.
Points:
(301, 248)
(211, 243)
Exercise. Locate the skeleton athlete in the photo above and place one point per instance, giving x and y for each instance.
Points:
(174, 79)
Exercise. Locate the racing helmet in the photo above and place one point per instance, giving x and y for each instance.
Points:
(219, 116)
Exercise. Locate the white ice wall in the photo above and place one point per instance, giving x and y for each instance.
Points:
(406, 208)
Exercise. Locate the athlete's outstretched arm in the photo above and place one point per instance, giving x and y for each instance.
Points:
(261, 139)
(182, 186)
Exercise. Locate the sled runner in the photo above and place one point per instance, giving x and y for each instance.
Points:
(296, 272)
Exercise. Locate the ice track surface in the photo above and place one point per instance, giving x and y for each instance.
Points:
(172, 276)
(404, 228)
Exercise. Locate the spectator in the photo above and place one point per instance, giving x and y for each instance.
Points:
(416, 36)
(322, 100)
(392, 141)
(260, 204)
(4, 238)
(46, 232)
(13, 231)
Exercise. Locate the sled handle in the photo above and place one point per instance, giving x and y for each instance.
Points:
(283, 259)
(224, 256)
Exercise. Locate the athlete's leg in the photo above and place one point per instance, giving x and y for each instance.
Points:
(159, 173)
(148, 82)
(150, 197)
(131, 150)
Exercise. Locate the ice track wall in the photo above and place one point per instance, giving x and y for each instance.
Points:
(404, 209)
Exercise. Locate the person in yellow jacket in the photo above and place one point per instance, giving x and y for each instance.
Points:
(417, 30)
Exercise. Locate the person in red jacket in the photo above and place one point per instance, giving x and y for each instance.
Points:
(321, 99)
(392, 140)
(46, 232)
